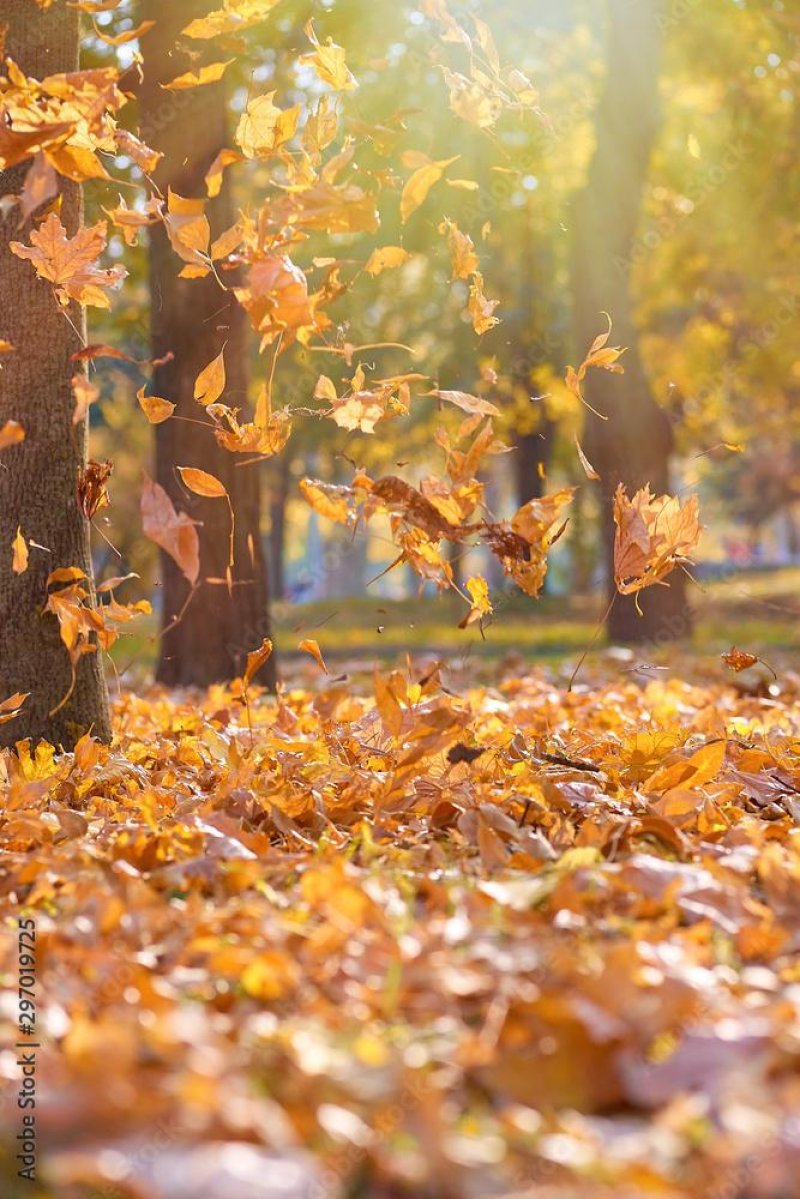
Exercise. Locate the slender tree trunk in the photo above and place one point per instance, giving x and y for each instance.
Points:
(193, 319)
(38, 477)
(532, 456)
(634, 444)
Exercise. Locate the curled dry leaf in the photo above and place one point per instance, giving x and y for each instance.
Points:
(10, 708)
(92, 487)
(654, 534)
(255, 660)
(309, 646)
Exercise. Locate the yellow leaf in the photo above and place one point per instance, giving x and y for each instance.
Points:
(211, 73)
(385, 258)
(210, 383)
(155, 408)
(70, 262)
(420, 183)
(329, 62)
(480, 308)
(263, 127)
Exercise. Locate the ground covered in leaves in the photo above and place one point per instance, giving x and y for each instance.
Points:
(415, 934)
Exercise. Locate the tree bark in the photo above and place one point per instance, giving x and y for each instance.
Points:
(38, 477)
(193, 319)
(634, 444)
(279, 495)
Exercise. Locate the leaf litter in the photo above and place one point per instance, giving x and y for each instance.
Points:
(421, 933)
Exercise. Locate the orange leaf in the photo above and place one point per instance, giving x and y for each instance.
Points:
(202, 483)
(310, 646)
(174, 532)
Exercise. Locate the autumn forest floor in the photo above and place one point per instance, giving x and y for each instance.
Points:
(445, 935)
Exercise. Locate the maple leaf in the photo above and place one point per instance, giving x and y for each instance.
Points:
(263, 127)
(654, 534)
(70, 263)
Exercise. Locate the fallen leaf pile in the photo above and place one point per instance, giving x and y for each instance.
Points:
(414, 937)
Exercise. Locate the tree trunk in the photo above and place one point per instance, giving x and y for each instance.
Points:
(279, 496)
(634, 444)
(193, 319)
(38, 477)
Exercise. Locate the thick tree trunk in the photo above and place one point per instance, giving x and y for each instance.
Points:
(634, 444)
(38, 477)
(531, 459)
(193, 319)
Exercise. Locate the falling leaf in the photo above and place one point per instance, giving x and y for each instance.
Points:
(214, 174)
(19, 562)
(327, 499)
(71, 263)
(481, 606)
(92, 490)
(589, 470)
(10, 708)
(309, 646)
(654, 534)
(256, 659)
(156, 409)
(202, 483)
(480, 308)
(210, 383)
(86, 393)
(211, 73)
(263, 127)
(475, 405)
(328, 61)
(739, 659)
(420, 183)
(234, 17)
(11, 433)
(462, 250)
(385, 258)
(174, 532)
